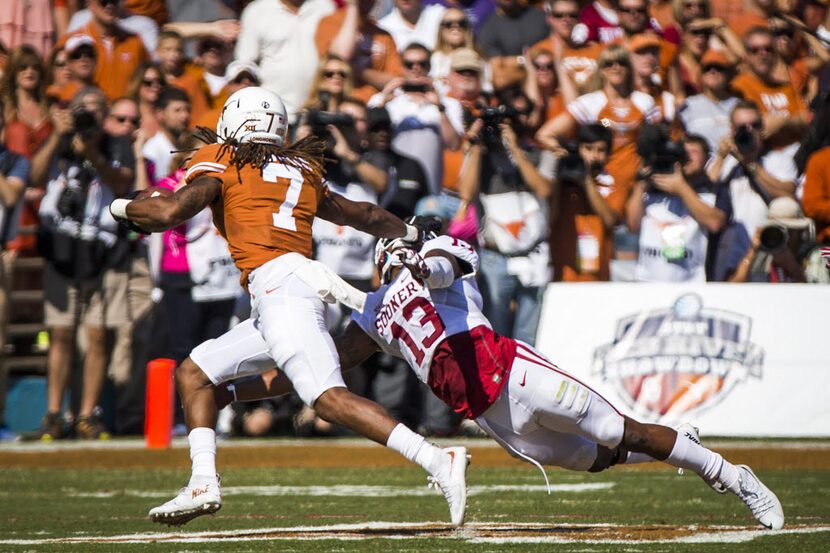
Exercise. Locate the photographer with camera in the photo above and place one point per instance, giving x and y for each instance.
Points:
(749, 177)
(81, 242)
(423, 122)
(585, 207)
(510, 180)
(673, 208)
(784, 249)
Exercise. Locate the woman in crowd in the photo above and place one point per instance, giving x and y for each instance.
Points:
(813, 161)
(455, 32)
(617, 105)
(57, 74)
(331, 85)
(28, 124)
(542, 87)
(144, 88)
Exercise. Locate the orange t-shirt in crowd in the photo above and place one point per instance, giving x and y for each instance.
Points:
(265, 212)
(816, 199)
(579, 64)
(624, 120)
(115, 59)
(199, 104)
(556, 105)
(64, 93)
(576, 222)
(779, 100)
(375, 49)
(154, 9)
(745, 21)
(26, 141)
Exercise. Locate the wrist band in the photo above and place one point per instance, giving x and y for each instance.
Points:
(118, 208)
(411, 233)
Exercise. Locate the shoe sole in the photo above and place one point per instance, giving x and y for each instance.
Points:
(179, 518)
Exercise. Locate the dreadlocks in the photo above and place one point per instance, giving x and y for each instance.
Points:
(307, 154)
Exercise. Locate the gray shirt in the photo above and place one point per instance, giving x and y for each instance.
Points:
(709, 119)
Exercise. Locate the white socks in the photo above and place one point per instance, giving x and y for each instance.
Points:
(708, 464)
(202, 452)
(415, 448)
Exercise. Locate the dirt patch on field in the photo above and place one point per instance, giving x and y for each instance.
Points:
(325, 455)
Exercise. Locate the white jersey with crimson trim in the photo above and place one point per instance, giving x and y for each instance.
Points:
(409, 320)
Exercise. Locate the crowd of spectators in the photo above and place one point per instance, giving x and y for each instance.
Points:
(568, 140)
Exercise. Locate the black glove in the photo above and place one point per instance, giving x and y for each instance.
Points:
(428, 226)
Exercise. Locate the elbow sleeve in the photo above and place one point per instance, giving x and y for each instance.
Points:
(441, 273)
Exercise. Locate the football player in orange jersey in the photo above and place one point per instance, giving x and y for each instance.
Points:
(264, 196)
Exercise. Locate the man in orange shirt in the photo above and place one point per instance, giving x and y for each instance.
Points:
(81, 62)
(118, 53)
(170, 54)
(578, 60)
(783, 109)
(265, 196)
(351, 34)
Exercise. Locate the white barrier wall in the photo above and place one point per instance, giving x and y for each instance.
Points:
(733, 359)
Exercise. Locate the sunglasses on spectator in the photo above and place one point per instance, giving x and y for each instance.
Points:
(783, 31)
(701, 32)
(689, 5)
(136, 121)
(755, 125)
(29, 66)
(105, 3)
(543, 66)
(564, 15)
(611, 63)
(409, 64)
(633, 11)
(82, 53)
(151, 82)
(339, 73)
(455, 23)
(759, 49)
(718, 68)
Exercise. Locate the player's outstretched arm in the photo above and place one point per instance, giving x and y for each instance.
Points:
(364, 216)
(159, 213)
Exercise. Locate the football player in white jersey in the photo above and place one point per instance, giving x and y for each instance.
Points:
(428, 311)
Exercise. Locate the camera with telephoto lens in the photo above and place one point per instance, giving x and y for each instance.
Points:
(658, 151)
(84, 122)
(744, 138)
(572, 170)
(492, 117)
(72, 201)
(774, 238)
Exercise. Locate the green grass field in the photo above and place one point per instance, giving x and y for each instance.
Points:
(388, 508)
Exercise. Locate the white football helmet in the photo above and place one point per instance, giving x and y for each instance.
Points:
(253, 114)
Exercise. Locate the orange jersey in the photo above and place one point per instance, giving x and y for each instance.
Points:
(781, 100)
(266, 212)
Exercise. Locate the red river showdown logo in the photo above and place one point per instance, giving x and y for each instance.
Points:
(668, 362)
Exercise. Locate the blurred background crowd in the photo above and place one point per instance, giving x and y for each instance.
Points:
(613, 140)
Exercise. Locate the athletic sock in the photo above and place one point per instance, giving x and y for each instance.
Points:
(634, 458)
(711, 466)
(415, 448)
(202, 451)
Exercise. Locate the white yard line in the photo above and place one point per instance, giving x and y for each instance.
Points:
(333, 443)
(434, 530)
(354, 491)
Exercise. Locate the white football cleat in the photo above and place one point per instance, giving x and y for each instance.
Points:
(761, 501)
(692, 433)
(201, 496)
(452, 479)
